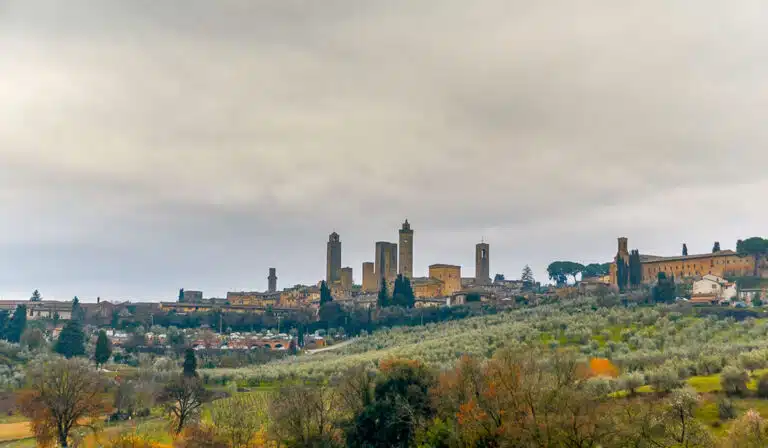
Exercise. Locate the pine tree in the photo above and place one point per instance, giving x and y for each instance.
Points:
(181, 295)
(71, 340)
(325, 293)
(78, 312)
(36, 297)
(383, 299)
(527, 278)
(17, 324)
(685, 250)
(190, 363)
(716, 247)
(103, 348)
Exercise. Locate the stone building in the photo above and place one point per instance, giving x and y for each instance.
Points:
(272, 280)
(406, 250)
(333, 259)
(346, 279)
(44, 309)
(192, 296)
(725, 263)
(482, 264)
(369, 277)
(386, 262)
(449, 274)
(253, 298)
(425, 287)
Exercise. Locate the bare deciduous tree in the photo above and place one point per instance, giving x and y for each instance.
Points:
(185, 397)
(64, 394)
(304, 415)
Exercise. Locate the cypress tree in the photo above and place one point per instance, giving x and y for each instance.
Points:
(190, 363)
(622, 274)
(383, 300)
(716, 247)
(17, 325)
(635, 269)
(325, 293)
(685, 250)
(103, 349)
(71, 340)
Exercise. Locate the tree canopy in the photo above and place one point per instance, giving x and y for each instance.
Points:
(756, 247)
(685, 250)
(71, 341)
(36, 297)
(559, 271)
(596, 270)
(716, 247)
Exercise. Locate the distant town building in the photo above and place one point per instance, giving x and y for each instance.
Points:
(724, 263)
(333, 259)
(192, 296)
(450, 275)
(406, 250)
(482, 264)
(346, 279)
(254, 298)
(386, 262)
(272, 279)
(43, 309)
(369, 277)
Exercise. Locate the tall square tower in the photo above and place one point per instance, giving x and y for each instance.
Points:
(482, 264)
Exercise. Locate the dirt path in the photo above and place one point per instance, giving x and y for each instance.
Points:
(15, 431)
(333, 347)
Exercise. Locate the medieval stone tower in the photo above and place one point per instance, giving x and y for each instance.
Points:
(623, 251)
(272, 280)
(385, 262)
(369, 277)
(406, 250)
(482, 264)
(333, 259)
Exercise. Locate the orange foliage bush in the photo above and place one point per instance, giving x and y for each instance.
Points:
(602, 367)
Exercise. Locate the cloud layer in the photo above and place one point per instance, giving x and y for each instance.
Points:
(146, 146)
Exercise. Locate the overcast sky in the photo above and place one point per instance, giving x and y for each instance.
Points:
(150, 145)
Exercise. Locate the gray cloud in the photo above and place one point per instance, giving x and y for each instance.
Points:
(146, 145)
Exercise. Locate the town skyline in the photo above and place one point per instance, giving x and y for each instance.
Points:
(467, 271)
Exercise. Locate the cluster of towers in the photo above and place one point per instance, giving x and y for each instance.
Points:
(391, 260)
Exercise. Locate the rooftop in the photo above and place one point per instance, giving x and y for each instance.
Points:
(656, 258)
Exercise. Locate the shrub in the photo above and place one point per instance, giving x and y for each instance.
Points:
(753, 360)
(725, 409)
(734, 381)
(709, 365)
(762, 386)
(664, 379)
(631, 382)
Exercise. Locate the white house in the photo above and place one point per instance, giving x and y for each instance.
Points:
(712, 285)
